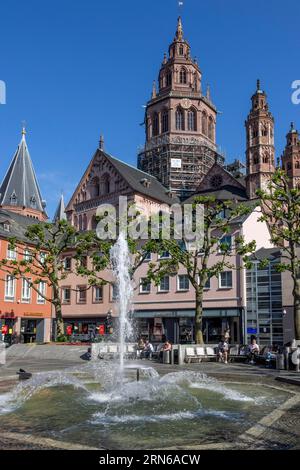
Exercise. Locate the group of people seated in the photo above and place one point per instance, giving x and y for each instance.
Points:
(252, 352)
(145, 349)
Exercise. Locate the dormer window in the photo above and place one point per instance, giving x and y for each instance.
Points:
(33, 202)
(13, 199)
(6, 227)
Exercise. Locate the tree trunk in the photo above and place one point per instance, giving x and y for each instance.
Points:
(296, 295)
(60, 331)
(198, 318)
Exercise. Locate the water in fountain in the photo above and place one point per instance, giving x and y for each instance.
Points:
(120, 258)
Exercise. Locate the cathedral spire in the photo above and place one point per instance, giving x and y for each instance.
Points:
(60, 211)
(179, 30)
(19, 191)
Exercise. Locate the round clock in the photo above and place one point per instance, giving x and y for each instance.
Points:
(186, 103)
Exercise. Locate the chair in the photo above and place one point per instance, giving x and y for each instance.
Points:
(189, 355)
(210, 353)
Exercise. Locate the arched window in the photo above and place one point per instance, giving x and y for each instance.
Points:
(297, 164)
(165, 121)
(180, 50)
(211, 129)
(182, 75)
(179, 118)
(169, 78)
(155, 124)
(84, 222)
(204, 123)
(105, 184)
(255, 159)
(192, 119)
(80, 222)
(95, 187)
(266, 158)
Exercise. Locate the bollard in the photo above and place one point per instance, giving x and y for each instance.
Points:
(138, 375)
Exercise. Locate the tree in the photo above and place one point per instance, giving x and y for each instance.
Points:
(200, 261)
(281, 210)
(41, 259)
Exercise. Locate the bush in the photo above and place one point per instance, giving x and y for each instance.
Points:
(62, 339)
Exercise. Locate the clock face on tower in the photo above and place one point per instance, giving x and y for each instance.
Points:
(216, 181)
(186, 103)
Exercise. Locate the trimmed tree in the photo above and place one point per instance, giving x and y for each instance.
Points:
(281, 210)
(41, 259)
(200, 261)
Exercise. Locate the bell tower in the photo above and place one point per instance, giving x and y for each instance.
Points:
(291, 157)
(260, 151)
(180, 122)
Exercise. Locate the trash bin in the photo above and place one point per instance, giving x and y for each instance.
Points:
(280, 362)
(166, 357)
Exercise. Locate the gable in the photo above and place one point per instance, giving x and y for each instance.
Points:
(99, 180)
(218, 178)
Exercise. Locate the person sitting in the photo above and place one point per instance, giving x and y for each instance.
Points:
(253, 351)
(166, 347)
(148, 350)
(223, 349)
(140, 347)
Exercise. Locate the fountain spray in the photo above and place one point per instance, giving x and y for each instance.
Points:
(120, 258)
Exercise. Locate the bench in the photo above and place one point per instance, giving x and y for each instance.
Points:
(199, 353)
(238, 353)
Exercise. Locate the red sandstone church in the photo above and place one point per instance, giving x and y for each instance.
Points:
(179, 160)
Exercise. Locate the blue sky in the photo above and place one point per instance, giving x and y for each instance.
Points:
(75, 68)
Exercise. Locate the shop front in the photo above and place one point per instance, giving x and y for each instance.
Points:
(178, 325)
(7, 326)
(87, 329)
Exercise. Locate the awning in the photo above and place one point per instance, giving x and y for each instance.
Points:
(207, 313)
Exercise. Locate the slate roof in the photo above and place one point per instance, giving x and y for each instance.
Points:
(135, 178)
(18, 225)
(60, 211)
(224, 193)
(19, 186)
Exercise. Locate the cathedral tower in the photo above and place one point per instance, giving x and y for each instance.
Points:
(291, 157)
(260, 152)
(180, 123)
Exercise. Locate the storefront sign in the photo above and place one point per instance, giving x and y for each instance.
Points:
(33, 314)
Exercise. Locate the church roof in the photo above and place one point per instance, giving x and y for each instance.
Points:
(60, 211)
(137, 180)
(19, 186)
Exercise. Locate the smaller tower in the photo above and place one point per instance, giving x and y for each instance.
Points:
(291, 157)
(60, 211)
(19, 191)
(260, 151)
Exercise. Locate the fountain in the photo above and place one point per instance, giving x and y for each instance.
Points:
(109, 404)
(120, 258)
